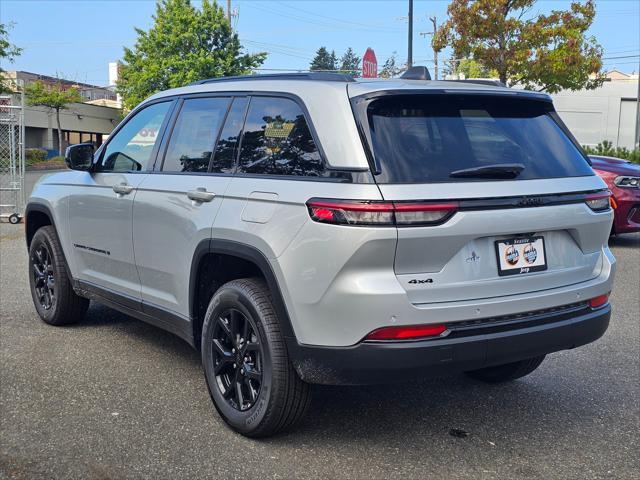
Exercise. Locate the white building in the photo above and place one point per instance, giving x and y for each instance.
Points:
(607, 113)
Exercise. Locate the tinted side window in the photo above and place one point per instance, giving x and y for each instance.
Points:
(194, 135)
(277, 140)
(131, 148)
(224, 158)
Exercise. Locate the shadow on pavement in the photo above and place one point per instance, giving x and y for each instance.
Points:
(626, 240)
(99, 316)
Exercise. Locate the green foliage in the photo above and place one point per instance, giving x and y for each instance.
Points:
(324, 60)
(350, 63)
(56, 97)
(606, 149)
(472, 69)
(546, 52)
(8, 52)
(34, 155)
(184, 44)
(391, 68)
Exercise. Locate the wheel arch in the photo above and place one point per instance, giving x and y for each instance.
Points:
(36, 216)
(250, 261)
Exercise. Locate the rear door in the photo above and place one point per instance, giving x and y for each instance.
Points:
(511, 187)
(177, 204)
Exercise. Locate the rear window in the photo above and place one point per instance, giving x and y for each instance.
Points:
(424, 138)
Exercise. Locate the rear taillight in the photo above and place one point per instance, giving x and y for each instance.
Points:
(599, 301)
(362, 212)
(409, 332)
(598, 202)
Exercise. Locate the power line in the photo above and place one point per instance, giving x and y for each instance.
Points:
(368, 26)
(320, 23)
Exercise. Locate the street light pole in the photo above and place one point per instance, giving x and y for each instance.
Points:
(410, 37)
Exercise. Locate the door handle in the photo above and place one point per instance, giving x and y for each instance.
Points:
(200, 194)
(123, 189)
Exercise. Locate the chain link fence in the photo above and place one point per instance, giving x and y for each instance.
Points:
(12, 158)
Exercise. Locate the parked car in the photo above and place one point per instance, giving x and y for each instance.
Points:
(623, 179)
(309, 228)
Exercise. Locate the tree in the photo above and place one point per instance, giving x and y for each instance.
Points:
(324, 60)
(350, 63)
(8, 52)
(391, 68)
(56, 97)
(472, 69)
(184, 44)
(545, 52)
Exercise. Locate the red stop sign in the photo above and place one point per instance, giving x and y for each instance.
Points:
(369, 64)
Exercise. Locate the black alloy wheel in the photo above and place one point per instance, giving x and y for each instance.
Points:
(50, 283)
(43, 276)
(251, 380)
(238, 358)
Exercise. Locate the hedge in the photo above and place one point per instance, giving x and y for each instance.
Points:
(606, 149)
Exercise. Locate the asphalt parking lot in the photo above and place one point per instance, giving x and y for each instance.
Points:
(116, 398)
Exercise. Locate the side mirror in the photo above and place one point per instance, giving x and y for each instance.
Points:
(79, 156)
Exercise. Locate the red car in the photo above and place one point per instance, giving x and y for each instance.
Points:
(623, 179)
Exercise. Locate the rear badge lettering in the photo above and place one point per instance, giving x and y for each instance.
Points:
(473, 258)
(421, 280)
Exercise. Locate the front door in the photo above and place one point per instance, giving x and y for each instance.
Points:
(101, 207)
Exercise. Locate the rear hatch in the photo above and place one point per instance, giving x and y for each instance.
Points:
(520, 208)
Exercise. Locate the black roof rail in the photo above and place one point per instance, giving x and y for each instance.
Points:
(318, 76)
(481, 81)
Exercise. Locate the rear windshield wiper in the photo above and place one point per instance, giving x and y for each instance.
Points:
(499, 170)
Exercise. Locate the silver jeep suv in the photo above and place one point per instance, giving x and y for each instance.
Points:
(309, 228)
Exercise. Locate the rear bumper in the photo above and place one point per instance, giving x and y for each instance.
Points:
(493, 342)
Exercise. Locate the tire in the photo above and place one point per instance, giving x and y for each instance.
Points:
(48, 273)
(272, 397)
(506, 372)
(14, 218)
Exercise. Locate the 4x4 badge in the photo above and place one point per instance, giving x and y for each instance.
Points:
(421, 280)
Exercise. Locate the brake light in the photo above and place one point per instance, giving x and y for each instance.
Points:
(599, 301)
(363, 212)
(410, 332)
(598, 202)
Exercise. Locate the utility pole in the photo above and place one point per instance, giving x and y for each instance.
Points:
(435, 52)
(410, 37)
(637, 139)
(229, 11)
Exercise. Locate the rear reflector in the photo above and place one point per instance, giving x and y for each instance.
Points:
(599, 301)
(410, 332)
(363, 212)
(598, 202)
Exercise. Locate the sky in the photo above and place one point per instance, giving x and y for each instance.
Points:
(77, 39)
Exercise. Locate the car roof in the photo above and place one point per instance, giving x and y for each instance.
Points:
(318, 81)
(326, 98)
